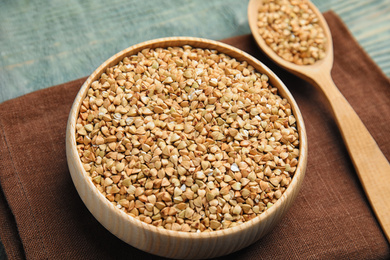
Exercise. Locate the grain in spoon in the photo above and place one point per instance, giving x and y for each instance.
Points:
(370, 164)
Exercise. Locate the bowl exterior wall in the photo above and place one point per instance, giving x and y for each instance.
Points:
(180, 245)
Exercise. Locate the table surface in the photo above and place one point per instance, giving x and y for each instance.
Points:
(49, 42)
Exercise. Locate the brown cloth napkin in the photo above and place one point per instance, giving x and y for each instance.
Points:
(42, 216)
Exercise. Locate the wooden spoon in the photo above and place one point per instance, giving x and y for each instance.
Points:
(371, 165)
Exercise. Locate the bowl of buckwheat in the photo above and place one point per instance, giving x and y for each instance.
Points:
(186, 147)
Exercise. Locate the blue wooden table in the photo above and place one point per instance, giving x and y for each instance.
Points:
(49, 42)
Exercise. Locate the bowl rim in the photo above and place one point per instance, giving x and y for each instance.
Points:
(195, 42)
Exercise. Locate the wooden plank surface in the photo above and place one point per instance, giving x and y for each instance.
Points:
(48, 42)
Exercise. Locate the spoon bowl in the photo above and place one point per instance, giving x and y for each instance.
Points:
(304, 71)
(371, 165)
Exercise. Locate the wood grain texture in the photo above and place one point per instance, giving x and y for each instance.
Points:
(369, 23)
(370, 163)
(166, 242)
(48, 42)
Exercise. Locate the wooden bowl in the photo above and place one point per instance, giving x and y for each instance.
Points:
(175, 244)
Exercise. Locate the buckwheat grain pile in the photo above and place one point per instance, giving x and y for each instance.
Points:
(187, 139)
(292, 30)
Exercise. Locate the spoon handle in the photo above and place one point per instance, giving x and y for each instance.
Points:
(370, 163)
